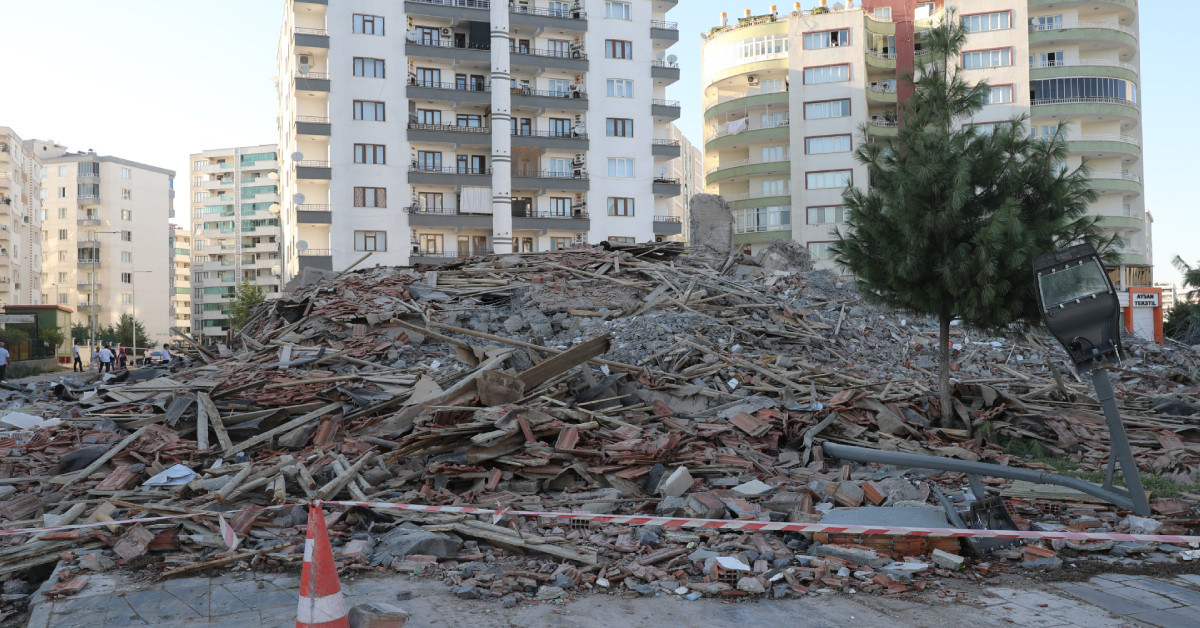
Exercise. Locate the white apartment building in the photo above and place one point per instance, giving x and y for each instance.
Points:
(235, 208)
(785, 95)
(419, 130)
(181, 278)
(105, 237)
(689, 169)
(20, 221)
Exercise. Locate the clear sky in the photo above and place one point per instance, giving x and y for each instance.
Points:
(156, 80)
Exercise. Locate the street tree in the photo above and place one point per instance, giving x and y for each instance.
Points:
(245, 299)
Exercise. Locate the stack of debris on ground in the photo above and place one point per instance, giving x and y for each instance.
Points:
(621, 380)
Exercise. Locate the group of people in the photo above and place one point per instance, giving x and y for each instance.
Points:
(107, 359)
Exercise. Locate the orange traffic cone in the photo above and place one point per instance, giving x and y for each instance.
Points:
(321, 604)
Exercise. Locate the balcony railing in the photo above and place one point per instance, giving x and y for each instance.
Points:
(448, 43)
(309, 208)
(886, 87)
(449, 128)
(1115, 175)
(310, 163)
(551, 133)
(552, 174)
(878, 54)
(735, 127)
(664, 142)
(417, 208)
(1085, 100)
(666, 180)
(1125, 139)
(525, 91)
(313, 119)
(664, 64)
(1060, 26)
(315, 253)
(464, 4)
(565, 14)
(666, 26)
(742, 162)
(449, 86)
(675, 220)
(665, 103)
(448, 254)
(450, 170)
(300, 30)
(545, 52)
(313, 75)
(1066, 63)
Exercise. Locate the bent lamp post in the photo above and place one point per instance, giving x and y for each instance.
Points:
(1080, 307)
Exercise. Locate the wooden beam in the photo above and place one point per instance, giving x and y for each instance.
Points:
(286, 427)
(108, 455)
(566, 361)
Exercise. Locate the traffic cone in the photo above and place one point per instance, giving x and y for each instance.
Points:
(321, 604)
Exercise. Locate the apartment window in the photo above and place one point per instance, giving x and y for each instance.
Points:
(559, 244)
(1001, 20)
(560, 206)
(126, 277)
(62, 192)
(370, 241)
(560, 127)
(558, 47)
(775, 153)
(126, 194)
(831, 214)
(64, 171)
(776, 187)
(370, 197)
(368, 24)
(126, 256)
(62, 277)
(771, 86)
(196, 165)
(987, 58)
(429, 116)
(1046, 22)
(559, 87)
(827, 144)
(828, 179)
(63, 299)
(368, 68)
(820, 250)
(368, 110)
(127, 236)
(826, 39)
(620, 167)
(620, 88)
(1083, 88)
(126, 298)
(827, 74)
(429, 77)
(1047, 59)
(126, 214)
(370, 154)
(62, 256)
(760, 219)
(472, 120)
(883, 13)
(1044, 131)
(618, 49)
(827, 109)
(620, 127)
(618, 206)
(999, 94)
(772, 120)
(617, 10)
(126, 173)
(429, 160)
(63, 234)
(62, 213)
(622, 239)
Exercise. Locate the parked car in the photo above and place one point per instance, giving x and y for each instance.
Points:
(156, 358)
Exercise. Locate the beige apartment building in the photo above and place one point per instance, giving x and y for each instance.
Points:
(235, 209)
(106, 237)
(689, 170)
(786, 94)
(181, 278)
(20, 222)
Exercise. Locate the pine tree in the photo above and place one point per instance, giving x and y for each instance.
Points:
(955, 215)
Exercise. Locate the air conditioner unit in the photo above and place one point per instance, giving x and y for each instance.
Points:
(305, 60)
(447, 31)
(752, 80)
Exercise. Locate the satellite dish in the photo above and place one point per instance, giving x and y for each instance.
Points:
(662, 172)
(298, 199)
(672, 59)
(304, 69)
(302, 245)
(297, 156)
(412, 35)
(274, 208)
(273, 175)
(580, 129)
(275, 270)
(660, 56)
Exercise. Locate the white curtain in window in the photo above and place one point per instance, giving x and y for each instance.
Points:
(477, 199)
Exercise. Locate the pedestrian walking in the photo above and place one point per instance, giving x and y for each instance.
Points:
(3, 361)
(78, 367)
(166, 353)
(106, 358)
(122, 359)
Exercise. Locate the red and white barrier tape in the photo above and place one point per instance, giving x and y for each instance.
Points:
(81, 526)
(768, 526)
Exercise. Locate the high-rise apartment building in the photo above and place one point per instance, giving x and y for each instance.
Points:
(235, 212)
(181, 278)
(785, 95)
(105, 237)
(20, 221)
(427, 129)
(689, 169)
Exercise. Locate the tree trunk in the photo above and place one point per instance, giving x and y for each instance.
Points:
(947, 419)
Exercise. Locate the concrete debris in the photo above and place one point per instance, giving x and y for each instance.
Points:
(627, 379)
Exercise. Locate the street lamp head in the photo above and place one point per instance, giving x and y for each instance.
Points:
(1079, 305)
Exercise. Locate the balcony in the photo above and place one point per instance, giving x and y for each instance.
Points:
(475, 10)
(87, 307)
(1086, 106)
(312, 169)
(312, 82)
(747, 168)
(1084, 67)
(313, 215)
(474, 218)
(1091, 32)
(530, 138)
(448, 176)
(88, 199)
(87, 286)
(1105, 145)
(311, 37)
(667, 31)
(217, 184)
(666, 148)
(459, 135)
(320, 259)
(665, 109)
(313, 125)
(459, 94)
(543, 18)
(550, 180)
(88, 222)
(542, 59)
(446, 49)
(1116, 183)
(87, 263)
(669, 72)
(883, 127)
(573, 99)
(883, 92)
(667, 187)
(433, 258)
(668, 225)
(746, 130)
(881, 60)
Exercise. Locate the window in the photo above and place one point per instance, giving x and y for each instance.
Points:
(560, 206)
(620, 88)
(196, 165)
(63, 299)
(618, 206)
(1044, 131)
(560, 244)
(774, 153)
(827, 109)
(429, 77)
(999, 94)
(980, 22)
(370, 240)
(819, 250)
(987, 58)
(126, 194)
(368, 110)
(126, 173)
(826, 215)
(618, 49)
(827, 144)
(126, 256)
(428, 160)
(62, 256)
(827, 74)
(126, 277)
(64, 171)
(776, 187)
(126, 298)
(620, 167)
(126, 214)
(370, 154)
(368, 68)
(760, 219)
(622, 239)
(617, 10)
(829, 179)
(429, 116)
(370, 197)
(62, 277)
(62, 192)
(883, 13)
(560, 127)
(560, 167)
(558, 48)
(1105, 89)
(127, 236)
(63, 234)
(826, 39)
(1046, 22)
(62, 213)
(472, 120)
(368, 24)
(772, 120)
(1047, 59)
(559, 87)
(620, 127)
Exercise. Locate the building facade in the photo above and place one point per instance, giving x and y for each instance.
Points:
(235, 209)
(785, 96)
(105, 233)
(181, 278)
(20, 221)
(419, 130)
(689, 169)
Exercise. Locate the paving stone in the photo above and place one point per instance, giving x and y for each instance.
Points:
(1142, 596)
(223, 602)
(1104, 599)
(243, 619)
(196, 597)
(1178, 618)
(1192, 578)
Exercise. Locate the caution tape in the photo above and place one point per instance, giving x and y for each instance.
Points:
(770, 526)
(122, 522)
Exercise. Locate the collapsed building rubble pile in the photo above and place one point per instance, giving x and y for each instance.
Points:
(607, 380)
